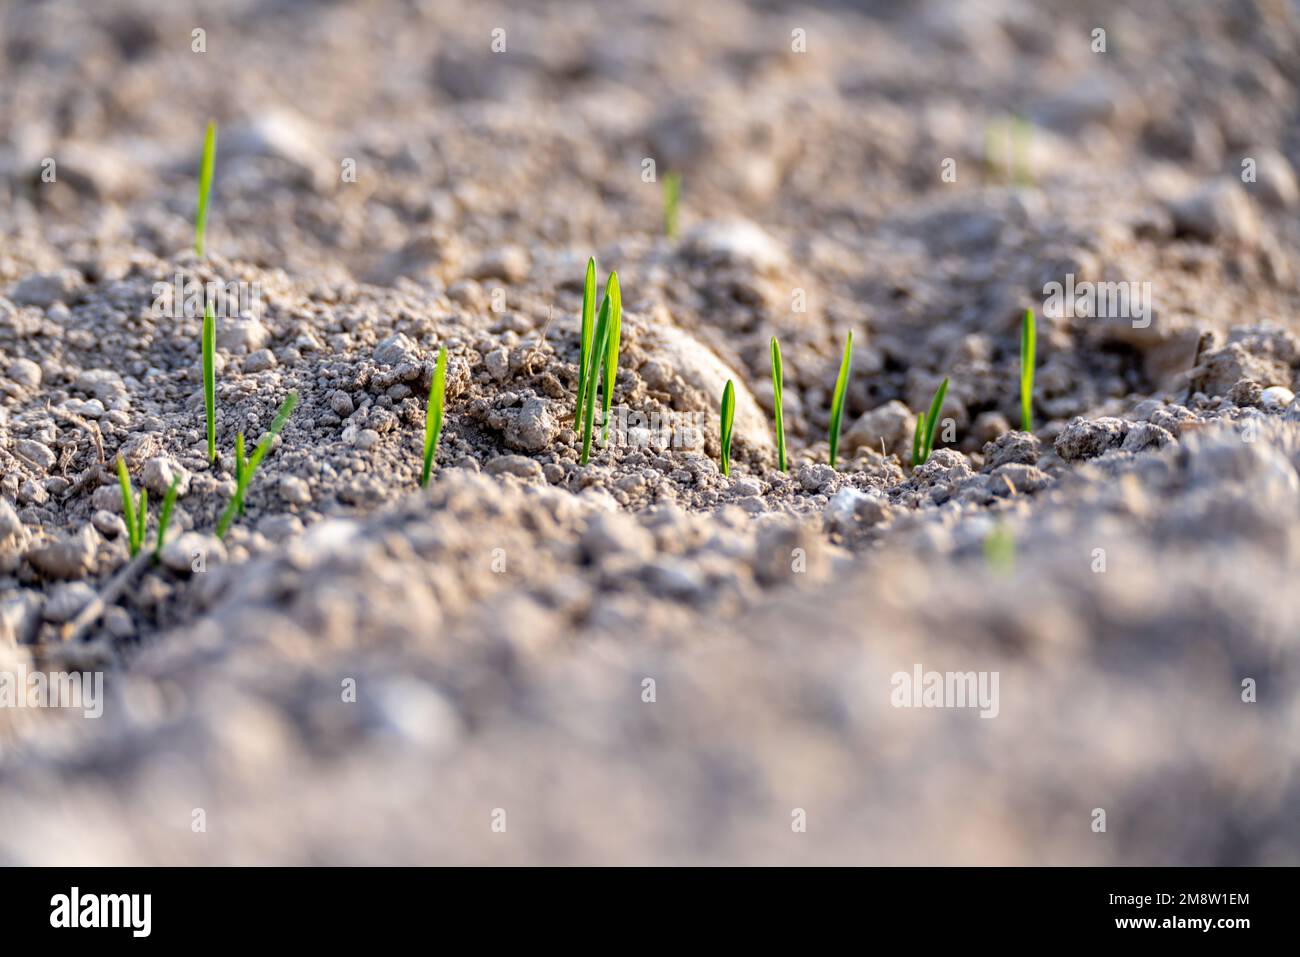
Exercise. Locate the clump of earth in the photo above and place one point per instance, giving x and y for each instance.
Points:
(640, 659)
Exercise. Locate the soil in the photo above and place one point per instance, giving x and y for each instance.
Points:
(641, 660)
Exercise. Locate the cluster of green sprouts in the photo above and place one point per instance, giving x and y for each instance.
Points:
(599, 341)
(135, 512)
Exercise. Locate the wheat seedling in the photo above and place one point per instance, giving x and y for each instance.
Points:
(728, 417)
(205, 188)
(585, 333)
(433, 413)
(927, 423)
(248, 469)
(614, 337)
(134, 512)
(600, 358)
(672, 197)
(1028, 346)
(165, 517)
(837, 398)
(209, 351)
(778, 382)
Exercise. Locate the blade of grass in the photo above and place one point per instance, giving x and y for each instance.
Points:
(593, 371)
(672, 197)
(728, 417)
(1028, 347)
(932, 420)
(585, 334)
(205, 188)
(433, 413)
(209, 348)
(142, 518)
(165, 517)
(128, 507)
(916, 439)
(778, 383)
(241, 462)
(250, 467)
(837, 398)
(613, 338)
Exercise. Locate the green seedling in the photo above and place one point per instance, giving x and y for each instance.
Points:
(209, 350)
(433, 413)
(586, 332)
(241, 463)
(135, 512)
(672, 197)
(608, 325)
(837, 398)
(728, 417)
(778, 381)
(614, 337)
(1000, 549)
(927, 423)
(1028, 345)
(165, 517)
(205, 188)
(248, 469)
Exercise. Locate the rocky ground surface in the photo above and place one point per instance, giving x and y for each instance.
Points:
(640, 659)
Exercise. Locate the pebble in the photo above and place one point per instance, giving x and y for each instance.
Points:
(532, 428)
(70, 557)
(294, 491)
(45, 289)
(518, 465)
(24, 372)
(159, 473)
(66, 600)
(37, 454)
(1276, 397)
(1220, 210)
(260, 361)
(395, 350)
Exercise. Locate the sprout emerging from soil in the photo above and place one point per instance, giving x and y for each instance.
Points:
(728, 417)
(586, 332)
(136, 514)
(165, 517)
(672, 196)
(246, 470)
(602, 355)
(209, 350)
(837, 398)
(205, 188)
(1000, 549)
(778, 380)
(433, 413)
(1028, 343)
(927, 423)
(614, 337)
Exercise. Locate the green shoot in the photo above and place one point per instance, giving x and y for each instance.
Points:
(597, 360)
(249, 468)
(134, 535)
(433, 413)
(614, 337)
(837, 398)
(205, 188)
(165, 517)
(728, 416)
(927, 423)
(209, 349)
(241, 462)
(778, 381)
(1028, 345)
(586, 332)
(672, 196)
(1000, 549)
